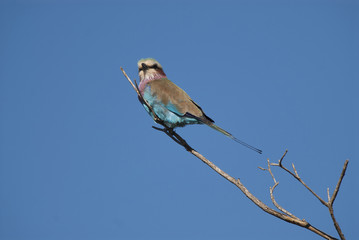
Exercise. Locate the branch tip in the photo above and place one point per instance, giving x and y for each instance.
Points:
(281, 159)
(336, 190)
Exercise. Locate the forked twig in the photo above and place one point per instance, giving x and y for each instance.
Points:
(178, 139)
(330, 202)
(271, 190)
(296, 176)
(336, 190)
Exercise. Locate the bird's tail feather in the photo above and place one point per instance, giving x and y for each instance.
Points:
(215, 127)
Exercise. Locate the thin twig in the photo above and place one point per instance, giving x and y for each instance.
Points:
(277, 205)
(339, 182)
(296, 176)
(336, 225)
(271, 189)
(136, 89)
(331, 200)
(295, 170)
(281, 159)
(270, 171)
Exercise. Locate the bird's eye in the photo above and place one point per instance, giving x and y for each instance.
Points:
(155, 66)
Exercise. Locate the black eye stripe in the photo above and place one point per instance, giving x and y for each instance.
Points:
(154, 66)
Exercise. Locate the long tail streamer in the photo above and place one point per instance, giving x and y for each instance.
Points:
(215, 127)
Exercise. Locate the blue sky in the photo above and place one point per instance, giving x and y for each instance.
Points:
(78, 156)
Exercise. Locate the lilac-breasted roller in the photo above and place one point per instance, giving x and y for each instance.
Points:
(170, 103)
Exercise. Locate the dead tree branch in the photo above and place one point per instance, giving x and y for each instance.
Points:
(284, 215)
(331, 200)
(271, 190)
(296, 176)
(328, 204)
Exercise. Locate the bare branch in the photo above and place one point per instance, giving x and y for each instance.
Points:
(136, 89)
(281, 159)
(271, 189)
(296, 176)
(250, 196)
(276, 204)
(336, 225)
(270, 171)
(331, 200)
(295, 171)
(339, 182)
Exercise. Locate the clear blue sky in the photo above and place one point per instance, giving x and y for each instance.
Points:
(78, 156)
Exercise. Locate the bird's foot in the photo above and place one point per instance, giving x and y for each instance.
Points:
(165, 129)
(170, 132)
(159, 129)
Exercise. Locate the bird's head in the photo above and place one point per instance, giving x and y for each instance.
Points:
(150, 69)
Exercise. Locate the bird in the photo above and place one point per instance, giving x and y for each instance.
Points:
(170, 103)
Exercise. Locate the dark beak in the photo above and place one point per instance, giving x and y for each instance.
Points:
(144, 66)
